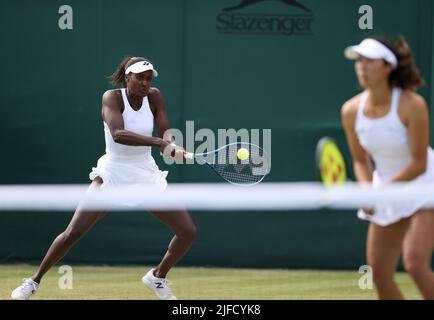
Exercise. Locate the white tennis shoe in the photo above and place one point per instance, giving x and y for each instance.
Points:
(25, 290)
(159, 286)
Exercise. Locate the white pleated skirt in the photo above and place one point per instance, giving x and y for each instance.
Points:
(129, 171)
(386, 214)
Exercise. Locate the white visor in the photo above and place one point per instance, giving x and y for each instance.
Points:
(372, 49)
(141, 66)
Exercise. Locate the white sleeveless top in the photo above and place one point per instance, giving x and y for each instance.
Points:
(140, 121)
(131, 165)
(386, 140)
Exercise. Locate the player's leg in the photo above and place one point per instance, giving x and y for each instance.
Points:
(185, 231)
(181, 223)
(383, 249)
(80, 224)
(418, 249)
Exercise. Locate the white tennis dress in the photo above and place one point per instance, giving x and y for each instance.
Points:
(386, 140)
(123, 164)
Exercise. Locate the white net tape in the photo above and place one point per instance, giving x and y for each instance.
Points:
(265, 196)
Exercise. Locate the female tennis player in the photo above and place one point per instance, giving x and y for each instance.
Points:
(389, 123)
(128, 115)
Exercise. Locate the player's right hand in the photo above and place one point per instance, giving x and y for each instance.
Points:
(369, 211)
(170, 149)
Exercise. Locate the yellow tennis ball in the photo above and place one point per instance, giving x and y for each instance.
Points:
(243, 154)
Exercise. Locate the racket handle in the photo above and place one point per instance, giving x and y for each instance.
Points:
(188, 155)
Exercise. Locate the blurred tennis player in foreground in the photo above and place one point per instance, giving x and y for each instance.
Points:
(128, 114)
(389, 122)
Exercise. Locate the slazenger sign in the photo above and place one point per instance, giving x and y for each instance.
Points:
(231, 21)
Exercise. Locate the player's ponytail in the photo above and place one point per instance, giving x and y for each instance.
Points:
(118, 77)
(406, 75)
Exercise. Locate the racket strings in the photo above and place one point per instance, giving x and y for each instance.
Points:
(249, 171)
(330, 162)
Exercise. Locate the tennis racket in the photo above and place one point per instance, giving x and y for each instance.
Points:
(240, 163)
(330, 163)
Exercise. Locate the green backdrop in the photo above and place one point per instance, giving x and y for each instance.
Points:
(52, 81)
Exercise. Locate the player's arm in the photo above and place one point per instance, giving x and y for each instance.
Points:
(361, 162)
(111, 110)
(158, 104)
(416, 119)
(156, 99)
